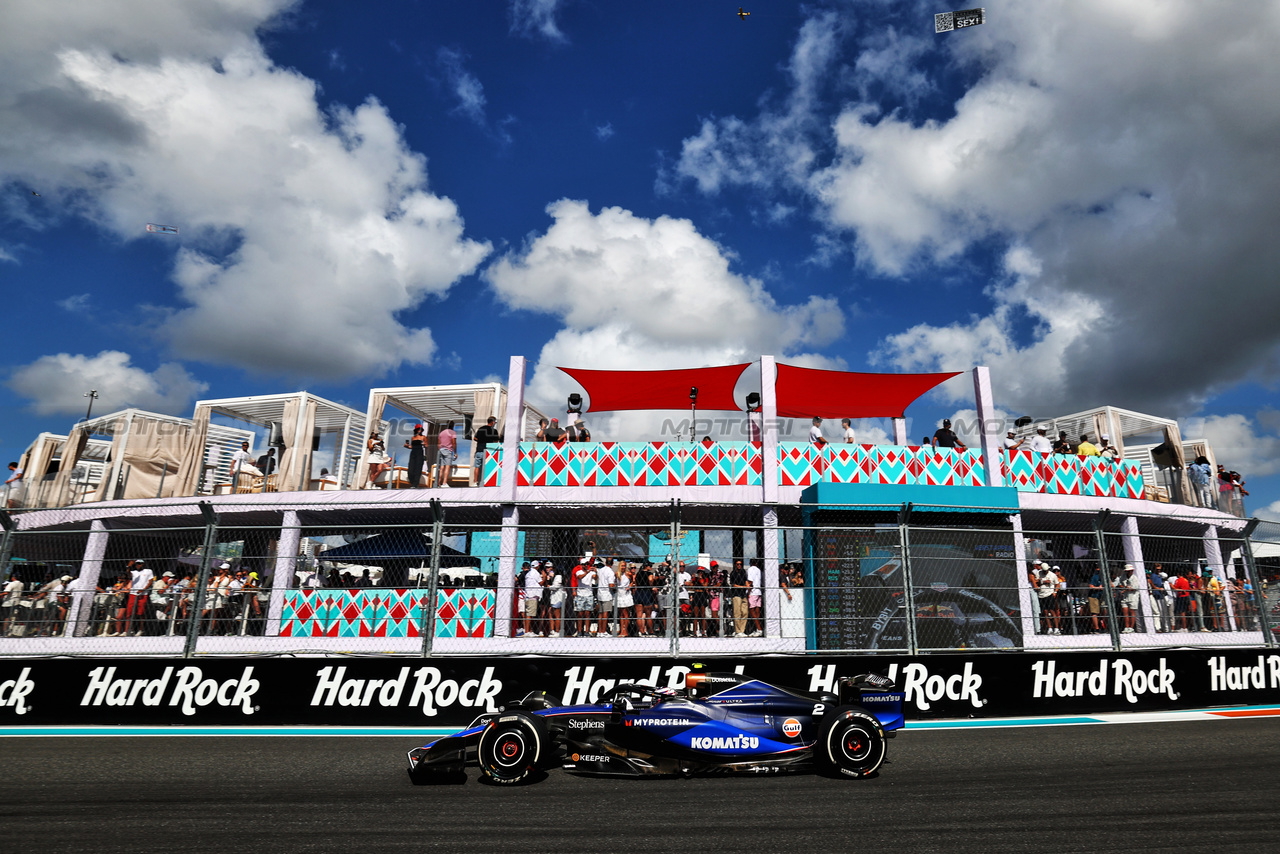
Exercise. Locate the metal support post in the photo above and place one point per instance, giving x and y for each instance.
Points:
(284, 570)
(1259, 600)
(1108, 592)
(202, 580)
(673, 619)
(433, 582)
(772, 592)
(908, 591)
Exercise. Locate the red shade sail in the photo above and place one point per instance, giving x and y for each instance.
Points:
(616, 391)
(809, 392)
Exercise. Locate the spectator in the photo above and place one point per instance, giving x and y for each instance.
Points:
(417, 446)
(141, 577)
(1160, 600)
(925, 442)
(683, 578)
(625, 598)
(1238, 494)
(532, 598)
(555, 435)
(267, 462)
(12, 596)
(945, 437)
(755, 424)
(1215, 607)
(1040, 443)
(1201, 473)
(580, 431)
(542, 431)
(1108, 450)
(484, 437)
(555, 603)
(700, 600)
(1196, 581)
(1063, 444)
(643, 585)
(40, 603)
(447, 454)
(243, 463)
(1128, 585)
(13, 486)
(1086, 448)
(1096, 592)
(63, 603)
(585, 600)
(1181, 601)
(606, 580)
(849, 437)
(364, 580)
(755, 599)
(376, 457)
(815, 432)
(739, 591)
(1046, 582)
(1011, 442)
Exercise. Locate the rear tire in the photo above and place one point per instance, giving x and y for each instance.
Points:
(512, 749)
(850, 742)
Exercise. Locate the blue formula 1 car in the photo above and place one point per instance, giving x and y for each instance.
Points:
(718, 723)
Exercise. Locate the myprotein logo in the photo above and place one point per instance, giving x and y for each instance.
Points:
(430, 690)
(1264, 674)
(1125, 680)
(737, 742)
(14, 692)
(185, 687)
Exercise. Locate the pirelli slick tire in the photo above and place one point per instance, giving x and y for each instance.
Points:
(512, 749)
(850, 742)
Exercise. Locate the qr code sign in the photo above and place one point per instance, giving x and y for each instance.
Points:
(944, 22)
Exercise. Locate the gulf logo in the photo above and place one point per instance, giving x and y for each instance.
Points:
(791, 727)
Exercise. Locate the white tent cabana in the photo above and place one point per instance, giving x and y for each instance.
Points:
(298, 421)
(435, 406)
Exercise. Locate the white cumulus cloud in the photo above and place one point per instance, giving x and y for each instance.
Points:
(303, 232)
(56, 384)
(1121, 154)
(635, 293)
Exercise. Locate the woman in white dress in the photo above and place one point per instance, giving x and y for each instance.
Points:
(625, 600)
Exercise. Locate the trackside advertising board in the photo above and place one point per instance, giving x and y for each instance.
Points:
(451, 692)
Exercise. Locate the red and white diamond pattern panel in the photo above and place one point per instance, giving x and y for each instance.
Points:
(385, 613)
(639, 464)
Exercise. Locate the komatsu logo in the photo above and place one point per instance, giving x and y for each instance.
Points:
(737, 742)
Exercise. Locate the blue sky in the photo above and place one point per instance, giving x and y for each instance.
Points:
(1080, 195)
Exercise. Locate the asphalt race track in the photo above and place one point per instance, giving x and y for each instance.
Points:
(1169, 786)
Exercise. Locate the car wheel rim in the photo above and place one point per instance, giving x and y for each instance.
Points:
(510, 749)
(855, 744)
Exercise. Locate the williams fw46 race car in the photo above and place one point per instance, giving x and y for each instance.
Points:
(718, 723)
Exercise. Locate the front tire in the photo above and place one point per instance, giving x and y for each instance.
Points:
(512, 748)
(851, 742)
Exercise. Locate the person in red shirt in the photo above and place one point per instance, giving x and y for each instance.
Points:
(1181, 600)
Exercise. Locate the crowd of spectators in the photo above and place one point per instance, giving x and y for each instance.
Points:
(134, 603)
(593, 596)
(1192, 599)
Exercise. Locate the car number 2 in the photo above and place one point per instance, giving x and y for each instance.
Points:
(818, 709)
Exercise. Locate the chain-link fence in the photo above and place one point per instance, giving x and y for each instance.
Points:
(617, 579)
